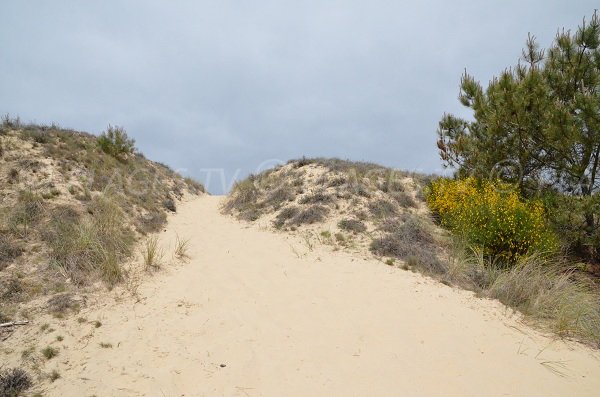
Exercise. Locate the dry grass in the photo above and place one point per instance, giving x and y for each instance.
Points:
(91, 245)
(410, 240)
(181, 248)
(553, 293)
(352, 225)
(152, 254)
(13, 382)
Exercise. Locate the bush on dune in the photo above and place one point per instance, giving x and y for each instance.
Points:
(492, 217)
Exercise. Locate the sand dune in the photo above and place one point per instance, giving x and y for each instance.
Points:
(255, 313)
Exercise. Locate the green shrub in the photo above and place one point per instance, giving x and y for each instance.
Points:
(493, 217)
(114, 141)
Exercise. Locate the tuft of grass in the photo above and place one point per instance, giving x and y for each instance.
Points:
(54, 375)
(279, 196)
(404, 199)
(105, 345)
(243, 197)
(61, 303)
(26, 353)
(181, 248)
(313, 214)
(382, 209)
(169, 204)
(352, 225)
(59, 338)
(318, 197)
(152, 254)
(152, 222)
(409, 241)
(26, 213)
(13, 382)
(49, 352)
(194, 186)
(81, 320)
(44, 327)
(97, 324)
(285, 215)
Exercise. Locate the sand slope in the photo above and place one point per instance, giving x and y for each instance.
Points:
(288, 321)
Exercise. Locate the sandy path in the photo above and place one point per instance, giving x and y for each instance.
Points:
(286, 321)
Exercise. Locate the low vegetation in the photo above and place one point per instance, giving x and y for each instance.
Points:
(13, 382)
(73, 207)
(478, 234)
(152, 253)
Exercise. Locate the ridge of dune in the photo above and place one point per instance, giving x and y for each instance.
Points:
(256, 313)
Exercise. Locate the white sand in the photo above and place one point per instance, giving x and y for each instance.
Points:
(287, 321)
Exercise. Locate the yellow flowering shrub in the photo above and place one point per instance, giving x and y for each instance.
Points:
(492, 216)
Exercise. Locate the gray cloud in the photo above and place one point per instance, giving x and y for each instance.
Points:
(231, 84)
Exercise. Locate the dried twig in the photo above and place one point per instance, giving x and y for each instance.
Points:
(13, 323)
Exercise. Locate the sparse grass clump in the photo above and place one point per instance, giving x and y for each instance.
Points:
(49, 352)
(151, 223)
(9, 250)
(169, 204)
(410, 241)
(279, 196)
(285, 215)
(194, 186)
(404, 199)
(318, 197)
(54, 376)
(26, 213)
(106, 345)
(381, 209)
(181, 248)
(313, 214)
(352, 225)
(13, 382)
(59, 304)
(244, 198)
(152, 254)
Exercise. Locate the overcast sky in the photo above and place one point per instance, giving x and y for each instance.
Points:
(240, 85)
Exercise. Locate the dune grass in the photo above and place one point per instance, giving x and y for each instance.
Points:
(552, 293)
(93, 244)
(152, 254)
(181, 248)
